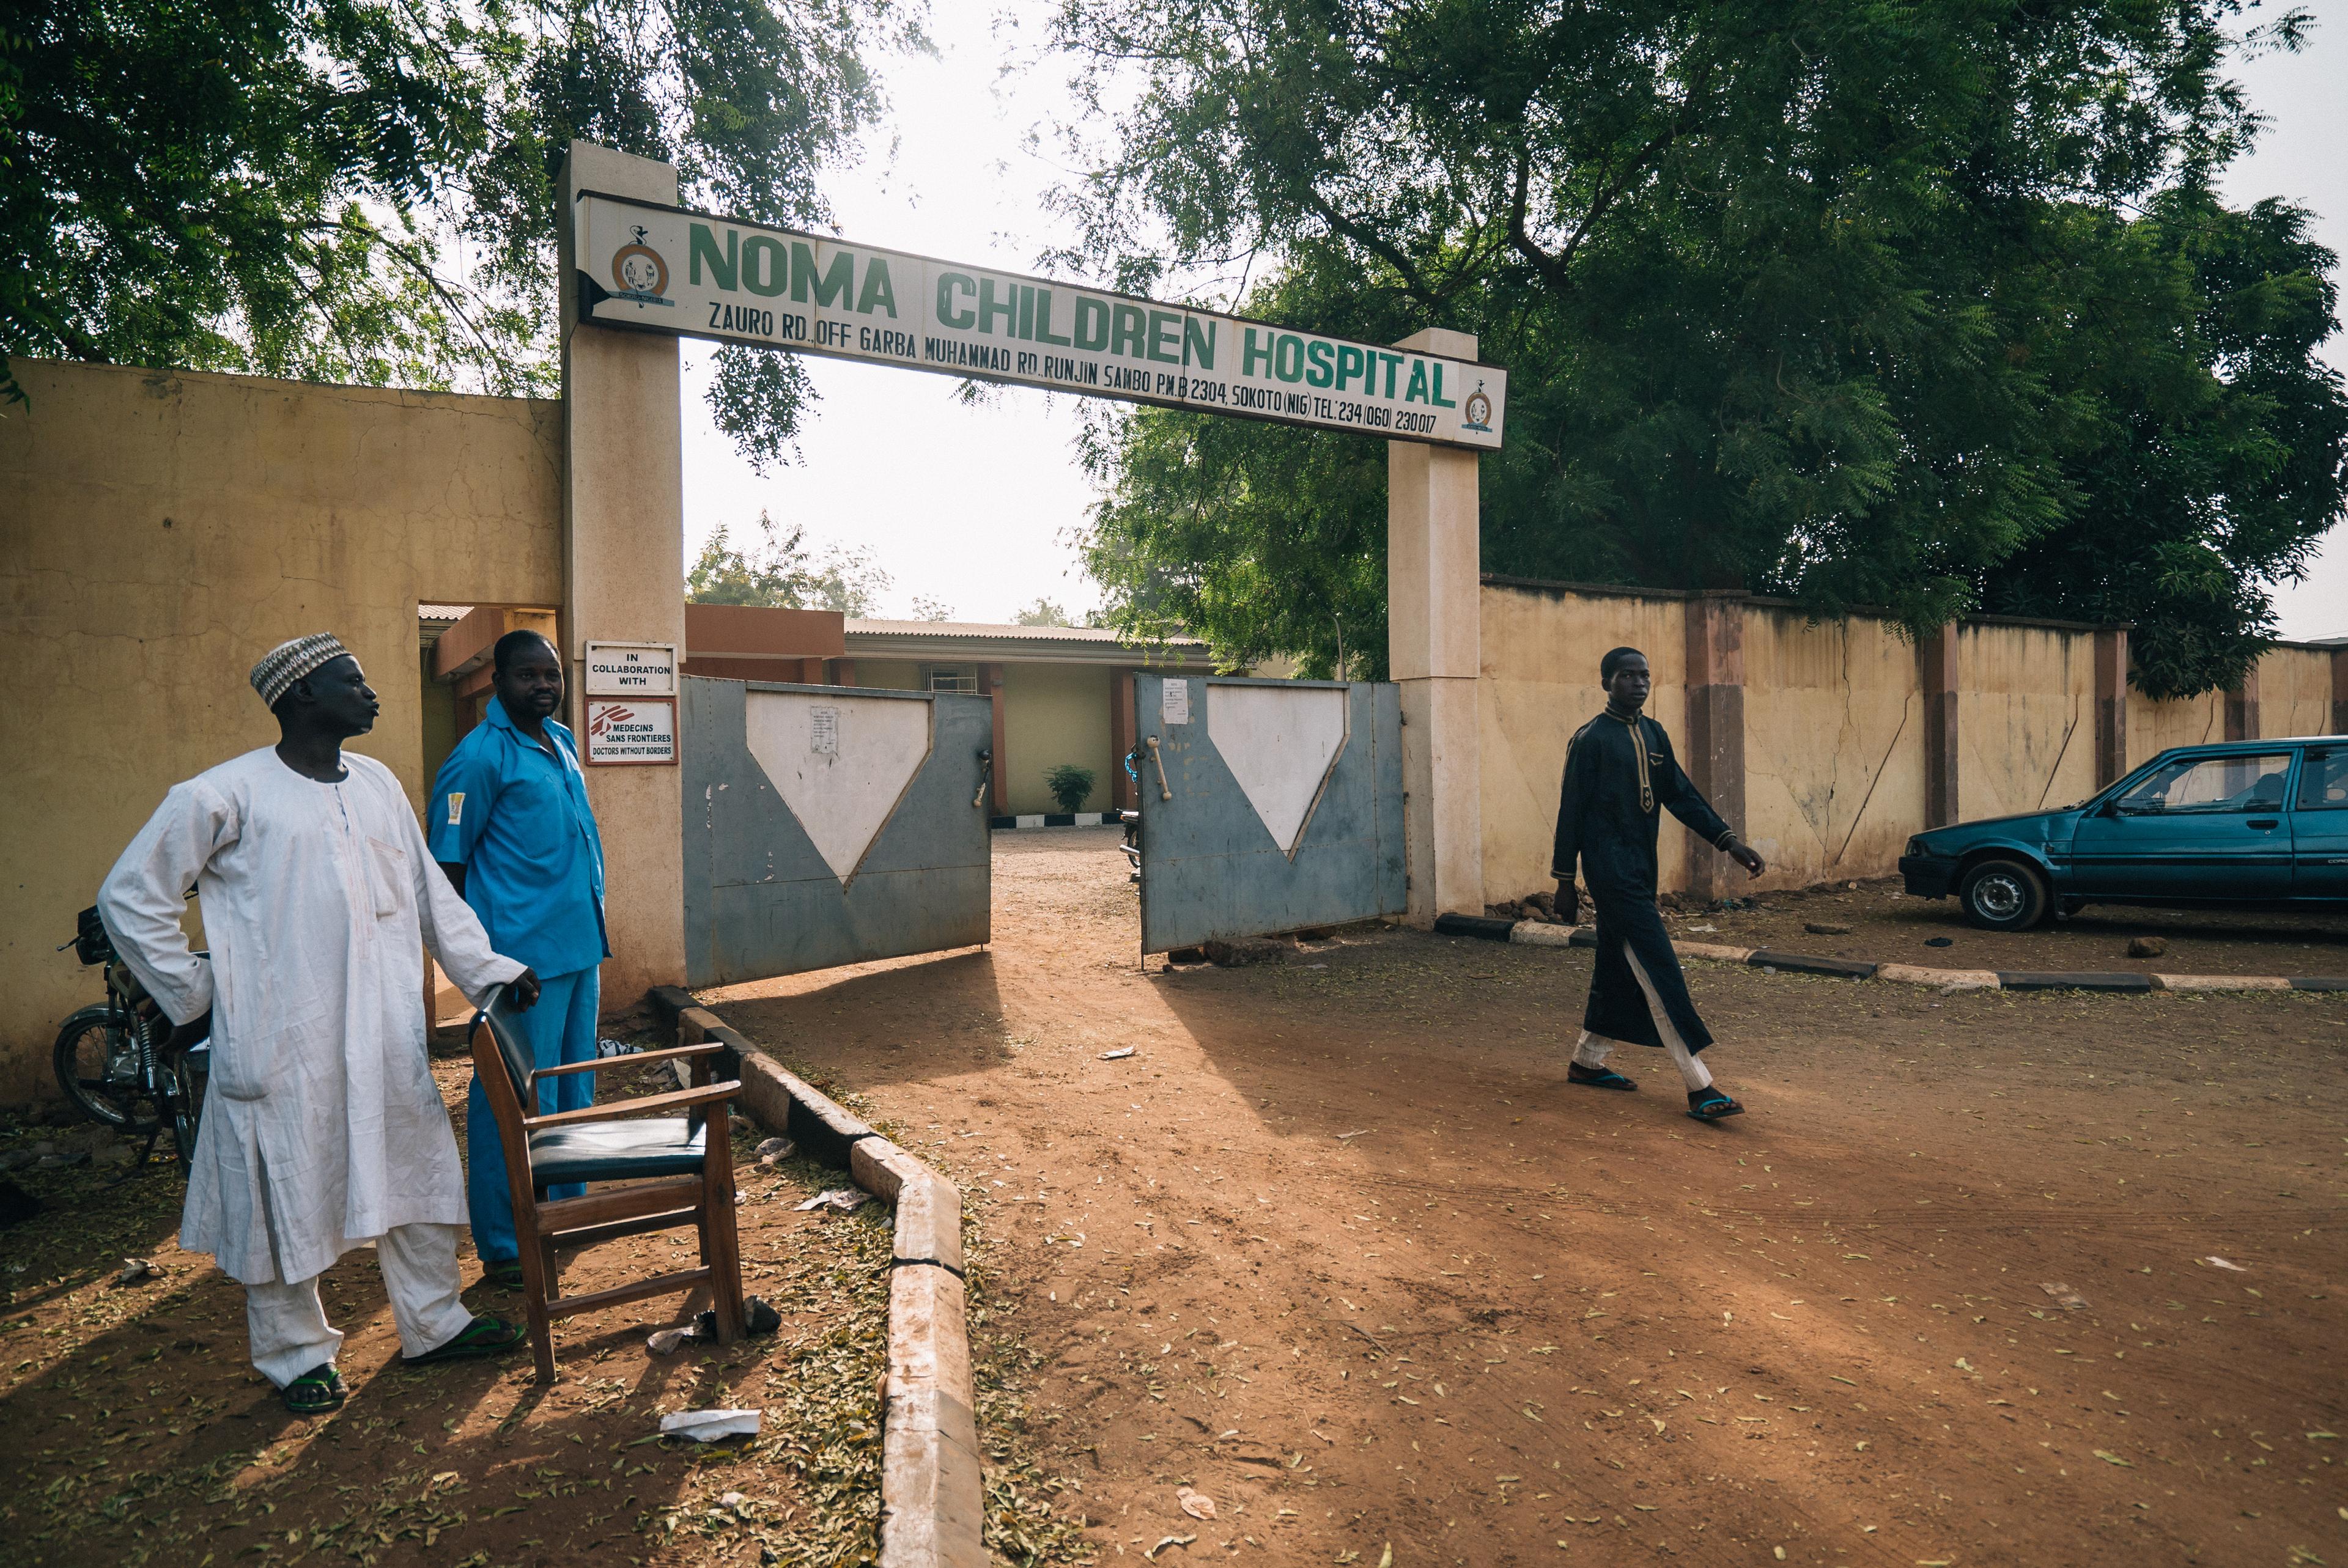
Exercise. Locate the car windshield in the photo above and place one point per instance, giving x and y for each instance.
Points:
(2212, 785)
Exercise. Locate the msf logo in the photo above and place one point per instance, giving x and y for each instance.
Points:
(641, 272)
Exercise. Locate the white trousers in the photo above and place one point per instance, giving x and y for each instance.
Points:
(288, 1322)
(1592, 1048)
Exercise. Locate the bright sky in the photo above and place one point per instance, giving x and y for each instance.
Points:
(973, 506)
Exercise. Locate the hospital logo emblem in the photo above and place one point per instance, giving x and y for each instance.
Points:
(1478, 412)
(641, 272)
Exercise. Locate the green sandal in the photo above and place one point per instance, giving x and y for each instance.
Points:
(1597, 1077)
(481, 1338)
(506, 1276)
(317, 1392)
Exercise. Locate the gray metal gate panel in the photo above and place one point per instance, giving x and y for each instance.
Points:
(1210, 868)
(761, 901)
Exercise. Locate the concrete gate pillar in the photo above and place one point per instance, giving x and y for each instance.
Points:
(623, 578)
(1434, 653)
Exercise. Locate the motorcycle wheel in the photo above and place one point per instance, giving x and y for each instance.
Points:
(187, 1105)
(95, 1064)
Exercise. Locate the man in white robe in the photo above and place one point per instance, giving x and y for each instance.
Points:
(322, 1128)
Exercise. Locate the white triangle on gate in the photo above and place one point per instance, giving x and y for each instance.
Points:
(840, 764)
(1280, 742)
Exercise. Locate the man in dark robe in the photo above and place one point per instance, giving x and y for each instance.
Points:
(1619, 770)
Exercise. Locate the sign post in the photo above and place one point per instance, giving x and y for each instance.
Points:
(635, 262)
(670, 270)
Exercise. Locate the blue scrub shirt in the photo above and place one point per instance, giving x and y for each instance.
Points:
(515, 816)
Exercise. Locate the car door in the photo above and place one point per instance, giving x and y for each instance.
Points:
(2319, 824)
(2195, 827)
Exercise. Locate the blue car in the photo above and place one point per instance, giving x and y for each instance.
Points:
(2259, 822)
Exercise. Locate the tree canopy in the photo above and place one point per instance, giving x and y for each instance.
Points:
(780, 571)
(1043, 612)
(1932, 308)
(361, 192)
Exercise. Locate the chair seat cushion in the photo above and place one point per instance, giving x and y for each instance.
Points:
(615, 1151)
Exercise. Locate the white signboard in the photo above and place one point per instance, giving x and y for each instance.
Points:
(694, 275)
(823, 732)
(1174, 701)
(631, 668)
(631, 730)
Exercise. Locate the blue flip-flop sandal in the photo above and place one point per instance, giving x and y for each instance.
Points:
(1712, 1105)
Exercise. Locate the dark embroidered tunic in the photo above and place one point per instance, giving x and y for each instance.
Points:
(1619, 775)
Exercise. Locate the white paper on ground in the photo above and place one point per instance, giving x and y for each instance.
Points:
(707, 1426)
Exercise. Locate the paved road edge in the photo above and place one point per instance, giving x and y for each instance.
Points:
(932, 1484)
(1540, 934)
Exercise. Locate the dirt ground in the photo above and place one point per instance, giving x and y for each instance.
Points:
(1889, 928)
(136, 1431)
(1337, 1248)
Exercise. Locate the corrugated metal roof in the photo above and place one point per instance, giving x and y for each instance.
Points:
(972, 642)
(975, 629)
(432, 620)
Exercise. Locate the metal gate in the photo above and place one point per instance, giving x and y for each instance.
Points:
(829, 824)
(1266, 805)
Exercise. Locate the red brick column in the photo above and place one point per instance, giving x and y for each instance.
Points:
(2242, 708)
(2111, 704)
(1716, 726)
(990, 681)
(1123, 796)
(1938, 655)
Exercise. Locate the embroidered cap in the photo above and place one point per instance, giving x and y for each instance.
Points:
(289, 662)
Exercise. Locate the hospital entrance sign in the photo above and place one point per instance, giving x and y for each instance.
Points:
(693, 274)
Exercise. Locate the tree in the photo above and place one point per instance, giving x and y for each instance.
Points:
(928, 609)
(349, 190)
(1872, 307)
(781, 572)
(1043, 612)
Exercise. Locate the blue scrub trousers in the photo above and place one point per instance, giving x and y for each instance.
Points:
(561, 1028)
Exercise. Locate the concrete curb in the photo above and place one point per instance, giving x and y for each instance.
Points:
(1540, 934)
(932, 1482)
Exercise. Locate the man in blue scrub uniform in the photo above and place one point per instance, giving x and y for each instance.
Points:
(511, 825)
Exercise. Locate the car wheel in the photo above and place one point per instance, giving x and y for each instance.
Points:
(2003, 895)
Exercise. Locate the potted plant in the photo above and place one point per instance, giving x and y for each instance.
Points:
(1070, 785)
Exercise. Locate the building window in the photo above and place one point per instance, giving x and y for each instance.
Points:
(950, 678)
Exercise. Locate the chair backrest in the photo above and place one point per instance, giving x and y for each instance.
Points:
(505, 1028)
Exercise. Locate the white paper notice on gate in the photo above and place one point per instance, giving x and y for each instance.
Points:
(1174, 701)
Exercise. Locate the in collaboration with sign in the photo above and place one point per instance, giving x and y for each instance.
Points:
(631, 668)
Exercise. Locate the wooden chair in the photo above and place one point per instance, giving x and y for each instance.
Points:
(679, 1170)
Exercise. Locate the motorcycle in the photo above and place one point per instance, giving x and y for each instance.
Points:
(1131, 820)
(115, 1061)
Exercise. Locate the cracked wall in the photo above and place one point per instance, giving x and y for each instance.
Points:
(162, 531)
(2295, 691)
(2025, 719)
(1834, 724)
(1539, 653)
(1834, 746)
